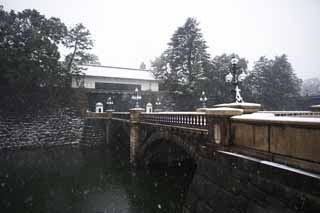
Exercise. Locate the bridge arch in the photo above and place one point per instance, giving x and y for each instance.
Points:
(166, 147)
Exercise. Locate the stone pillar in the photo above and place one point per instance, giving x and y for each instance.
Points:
(107, 125)
(219, 125)
(315, 108)
(201, 109)
(134, 132)
(246, 107)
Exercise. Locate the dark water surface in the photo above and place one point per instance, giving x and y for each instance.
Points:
(70, 179)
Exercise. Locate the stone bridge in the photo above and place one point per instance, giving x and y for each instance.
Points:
(258, 162)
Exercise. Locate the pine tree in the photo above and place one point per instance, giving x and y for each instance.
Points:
(275, 83)
(29, 48)
(183, 63)
(214, 78)
(143, 66)
(80, 42)
(311, 87)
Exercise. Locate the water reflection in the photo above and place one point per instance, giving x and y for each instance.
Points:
(81, 180)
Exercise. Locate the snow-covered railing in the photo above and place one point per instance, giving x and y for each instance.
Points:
(271, 118)
(186, 119)
(294, 113)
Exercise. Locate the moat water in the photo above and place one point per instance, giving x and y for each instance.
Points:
(77, 180)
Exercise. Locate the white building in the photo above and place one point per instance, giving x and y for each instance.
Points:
(116, 78)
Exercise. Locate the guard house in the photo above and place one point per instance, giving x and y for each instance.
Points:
(116, 78)
(149, 108)
(99, 107)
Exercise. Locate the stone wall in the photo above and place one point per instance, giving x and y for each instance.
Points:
(40, 117)
(93, 132)
(235, 183)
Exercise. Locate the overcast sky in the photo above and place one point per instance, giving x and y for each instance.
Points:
(128, 32)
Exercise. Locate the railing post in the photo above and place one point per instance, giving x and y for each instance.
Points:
(219, 125)
(107, 125)
(134, 133)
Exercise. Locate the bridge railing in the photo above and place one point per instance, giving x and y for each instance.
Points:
(293, 113)
(185, 119)
(292, 140)
(121, 115)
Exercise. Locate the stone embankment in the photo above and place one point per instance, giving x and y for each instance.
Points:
(93, 133)
(57, 128)
(40, 119)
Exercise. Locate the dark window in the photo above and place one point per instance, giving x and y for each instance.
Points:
(113, 86)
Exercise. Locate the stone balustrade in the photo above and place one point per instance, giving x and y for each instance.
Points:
(184, 119)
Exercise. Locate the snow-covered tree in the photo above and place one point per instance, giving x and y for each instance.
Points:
(311, 86)
(214, 78)
(143, 66)
(275, 82)
(183, 63)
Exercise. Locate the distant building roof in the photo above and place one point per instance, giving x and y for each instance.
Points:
(118, 72)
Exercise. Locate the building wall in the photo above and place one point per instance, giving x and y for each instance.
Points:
(89, 82)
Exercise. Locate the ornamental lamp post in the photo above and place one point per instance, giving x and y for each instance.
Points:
(109, 103)
(235, 77)
(136, 97)
(158, 105)
(158, 102)
(203, 99)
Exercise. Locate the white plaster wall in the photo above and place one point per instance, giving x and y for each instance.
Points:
(89, 82)
(73, 83)
(154, 85)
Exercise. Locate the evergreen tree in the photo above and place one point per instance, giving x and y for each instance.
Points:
(143, 66)
(29, 49)
(275, 83)
(183, 63)
(214, 78)
(162, 70)
(80, 42)
(311, 86)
